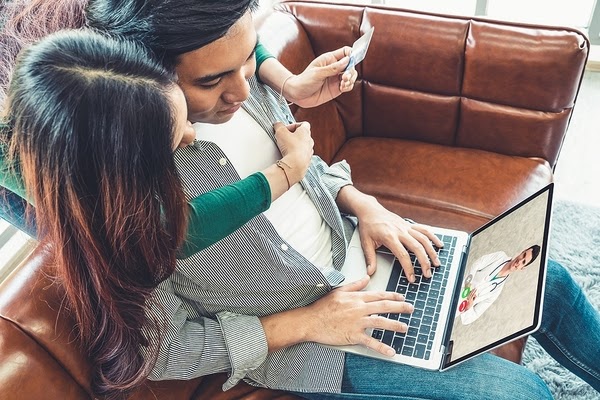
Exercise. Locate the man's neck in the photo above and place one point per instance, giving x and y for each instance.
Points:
(505, 271)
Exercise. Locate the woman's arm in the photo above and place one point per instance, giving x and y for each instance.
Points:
(218, 213)
(323, 79)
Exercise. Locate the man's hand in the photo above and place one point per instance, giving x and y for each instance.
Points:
(471, 299)
(322, 80)
(339, 318)
(342, 316)
(381, 227)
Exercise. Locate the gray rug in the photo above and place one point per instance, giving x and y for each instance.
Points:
(575, 243)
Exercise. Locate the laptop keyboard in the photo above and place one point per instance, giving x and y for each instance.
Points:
(426, 295)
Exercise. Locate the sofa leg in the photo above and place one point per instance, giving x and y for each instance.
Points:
(512, 351)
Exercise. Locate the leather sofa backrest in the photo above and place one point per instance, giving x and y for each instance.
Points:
(456, 81)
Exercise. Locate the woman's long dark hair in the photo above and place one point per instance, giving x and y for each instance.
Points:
(92, 125)
(169, 28)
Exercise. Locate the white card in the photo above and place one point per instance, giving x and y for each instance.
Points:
(359, 49)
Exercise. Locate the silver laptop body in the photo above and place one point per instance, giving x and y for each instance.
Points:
(449, 342)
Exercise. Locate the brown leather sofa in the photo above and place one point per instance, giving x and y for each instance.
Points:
(452, 121)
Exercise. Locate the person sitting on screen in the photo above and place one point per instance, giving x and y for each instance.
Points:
(486, 279)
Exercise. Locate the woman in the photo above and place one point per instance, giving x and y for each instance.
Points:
(26, 21)
(94, 140)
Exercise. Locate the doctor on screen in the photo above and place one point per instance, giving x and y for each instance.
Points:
(486, 278)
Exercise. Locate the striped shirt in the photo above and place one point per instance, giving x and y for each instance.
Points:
(211, 304)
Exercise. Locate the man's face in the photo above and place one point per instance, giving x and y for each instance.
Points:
(214, 78)
(522, 260)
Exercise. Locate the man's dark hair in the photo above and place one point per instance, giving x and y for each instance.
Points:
(535, 251)
(168, 28)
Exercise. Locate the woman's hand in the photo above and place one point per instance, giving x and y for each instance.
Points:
(296, 146)
(342, 316)
(322, 80)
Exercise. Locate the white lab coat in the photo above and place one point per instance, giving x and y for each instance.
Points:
(488, 286)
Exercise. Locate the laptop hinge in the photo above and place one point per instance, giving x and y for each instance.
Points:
(448, 352)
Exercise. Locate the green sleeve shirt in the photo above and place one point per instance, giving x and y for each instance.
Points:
(10, 177)
(262, 54)
(212, 215)
(216, 214)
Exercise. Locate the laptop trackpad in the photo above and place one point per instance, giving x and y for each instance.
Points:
(355, 266)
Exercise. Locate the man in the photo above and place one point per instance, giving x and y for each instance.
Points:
(289, 263)
(486, 279)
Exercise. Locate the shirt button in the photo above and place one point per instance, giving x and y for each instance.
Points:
(319, 285)
(223, 161)
(284, 247)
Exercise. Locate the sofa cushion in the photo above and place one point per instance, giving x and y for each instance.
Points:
(28, 372)
(445, 186)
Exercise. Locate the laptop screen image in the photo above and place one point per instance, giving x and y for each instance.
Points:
(500, 297)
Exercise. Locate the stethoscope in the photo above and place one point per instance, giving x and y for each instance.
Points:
(494, 279)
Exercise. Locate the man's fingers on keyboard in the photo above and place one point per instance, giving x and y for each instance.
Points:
(377, 346)
(384, 323)
(425, 230)
(429, 249)
(369, 296)
(388, 306)
(424, 261)
(407, 266)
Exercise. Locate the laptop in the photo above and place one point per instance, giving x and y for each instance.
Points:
(480, 298)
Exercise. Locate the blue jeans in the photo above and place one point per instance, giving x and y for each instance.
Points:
(12, 210)
(570, 332)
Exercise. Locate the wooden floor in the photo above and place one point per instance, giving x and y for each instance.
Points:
(578, 168)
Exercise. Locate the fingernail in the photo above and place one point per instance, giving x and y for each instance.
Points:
(390, 352)
(427, 273)
(411, 278)
(410, 307)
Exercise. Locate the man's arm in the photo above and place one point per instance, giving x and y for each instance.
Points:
(339, 318)
(189, 348)
(240, 343)
(379, 226)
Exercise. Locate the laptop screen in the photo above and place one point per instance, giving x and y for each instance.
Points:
(502, 284)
